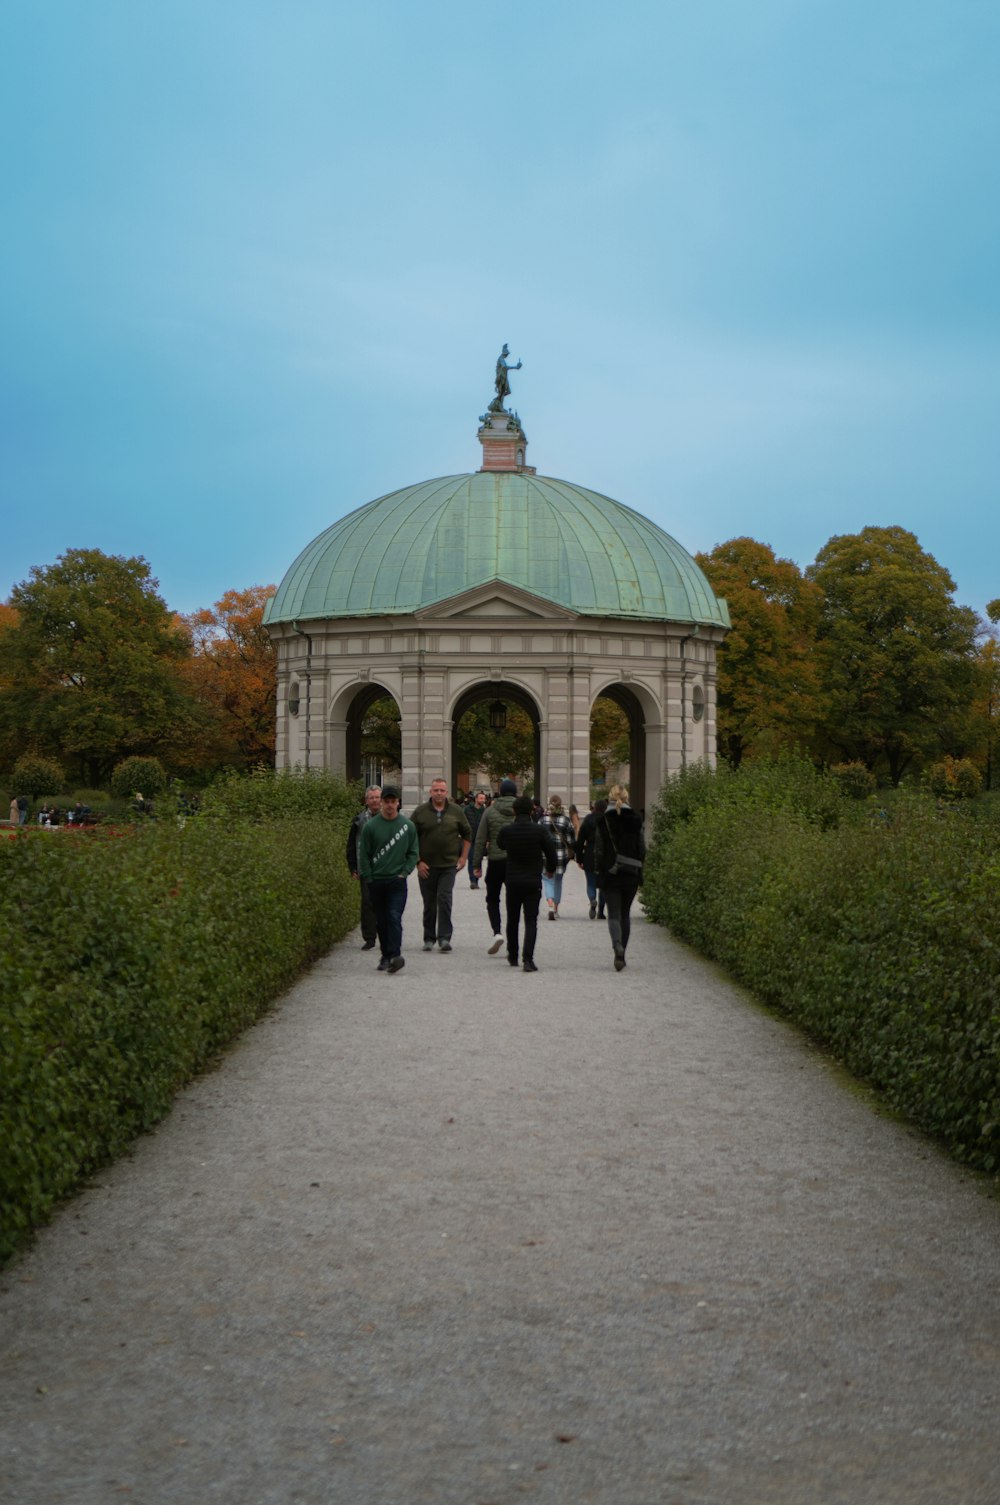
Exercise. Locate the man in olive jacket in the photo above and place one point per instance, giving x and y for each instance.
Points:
(500, 814)
(444, 835)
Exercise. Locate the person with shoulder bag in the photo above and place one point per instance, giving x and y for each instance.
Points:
(560, 828)
(619, 850)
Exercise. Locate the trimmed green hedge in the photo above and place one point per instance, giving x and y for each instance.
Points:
(875, 927)
(130, 959)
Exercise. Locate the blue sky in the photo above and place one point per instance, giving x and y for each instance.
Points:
(258, 261)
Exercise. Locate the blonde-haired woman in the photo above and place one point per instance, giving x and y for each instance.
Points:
(619, 834)
(560, 828)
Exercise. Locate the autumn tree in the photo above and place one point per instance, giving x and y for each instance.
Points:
(896, 654)
(89, 665)
(767, 685)
(232, 674)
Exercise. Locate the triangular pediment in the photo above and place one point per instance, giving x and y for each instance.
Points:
(497, 599)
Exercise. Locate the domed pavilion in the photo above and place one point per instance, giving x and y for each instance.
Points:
(503, 586)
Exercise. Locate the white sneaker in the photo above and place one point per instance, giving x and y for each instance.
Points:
(497, 943)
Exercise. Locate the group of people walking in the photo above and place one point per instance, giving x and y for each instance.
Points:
(523, 857)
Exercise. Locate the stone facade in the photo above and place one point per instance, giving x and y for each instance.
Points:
(491, 642)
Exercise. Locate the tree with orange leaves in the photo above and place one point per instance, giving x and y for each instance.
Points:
(233, 675)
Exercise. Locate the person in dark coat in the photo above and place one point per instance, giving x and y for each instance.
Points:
(585, 841)
(500, 813)
(474, 812)
(372, 806)
(619, 834)
(528, 846)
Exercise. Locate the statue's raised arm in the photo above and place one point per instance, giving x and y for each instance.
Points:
(502, 384)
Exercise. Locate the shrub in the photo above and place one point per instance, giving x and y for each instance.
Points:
(145, 775)
(881, 937)
(855, 779)
(268, 794)
(170, 938)
(34, 775)
(954, 779)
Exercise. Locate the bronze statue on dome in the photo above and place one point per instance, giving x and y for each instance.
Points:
(502, 384)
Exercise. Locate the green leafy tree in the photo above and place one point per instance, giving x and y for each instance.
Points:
(610, 737)
(986, 708)
(381, 735)
(146, 776)
(507, 753)
(34, 775)
(767, 689)
(896, 653)
(90, 665)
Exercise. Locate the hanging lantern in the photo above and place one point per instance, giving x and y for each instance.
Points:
(498, 716)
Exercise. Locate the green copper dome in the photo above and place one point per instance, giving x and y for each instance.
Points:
(429, 542)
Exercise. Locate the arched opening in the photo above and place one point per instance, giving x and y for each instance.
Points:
(618, 742)
(373, 743)
(495, 734)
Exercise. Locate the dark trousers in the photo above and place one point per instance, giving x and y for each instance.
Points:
(523, 897)
(388, 896)
(496, 872)
(618, 902)
(437, 891)
(369, 929)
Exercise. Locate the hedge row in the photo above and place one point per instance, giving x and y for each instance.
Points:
(876, 928)
(130, 960)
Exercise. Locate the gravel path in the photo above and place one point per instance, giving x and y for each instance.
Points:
(466, 1236)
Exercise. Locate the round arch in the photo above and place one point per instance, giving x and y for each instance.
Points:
(346, 717)
(489, 690)
(642, 714)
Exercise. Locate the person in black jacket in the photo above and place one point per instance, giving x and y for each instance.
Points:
(527, 846)
(619, 834)
(373, 804)
(585, 843)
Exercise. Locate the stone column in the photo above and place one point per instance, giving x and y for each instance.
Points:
(578, 782)
(557, 772)
(336, 747)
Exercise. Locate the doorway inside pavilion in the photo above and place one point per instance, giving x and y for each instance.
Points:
(495, 735)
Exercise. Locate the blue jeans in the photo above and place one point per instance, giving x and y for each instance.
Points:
(388, 896)
(553, 887)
